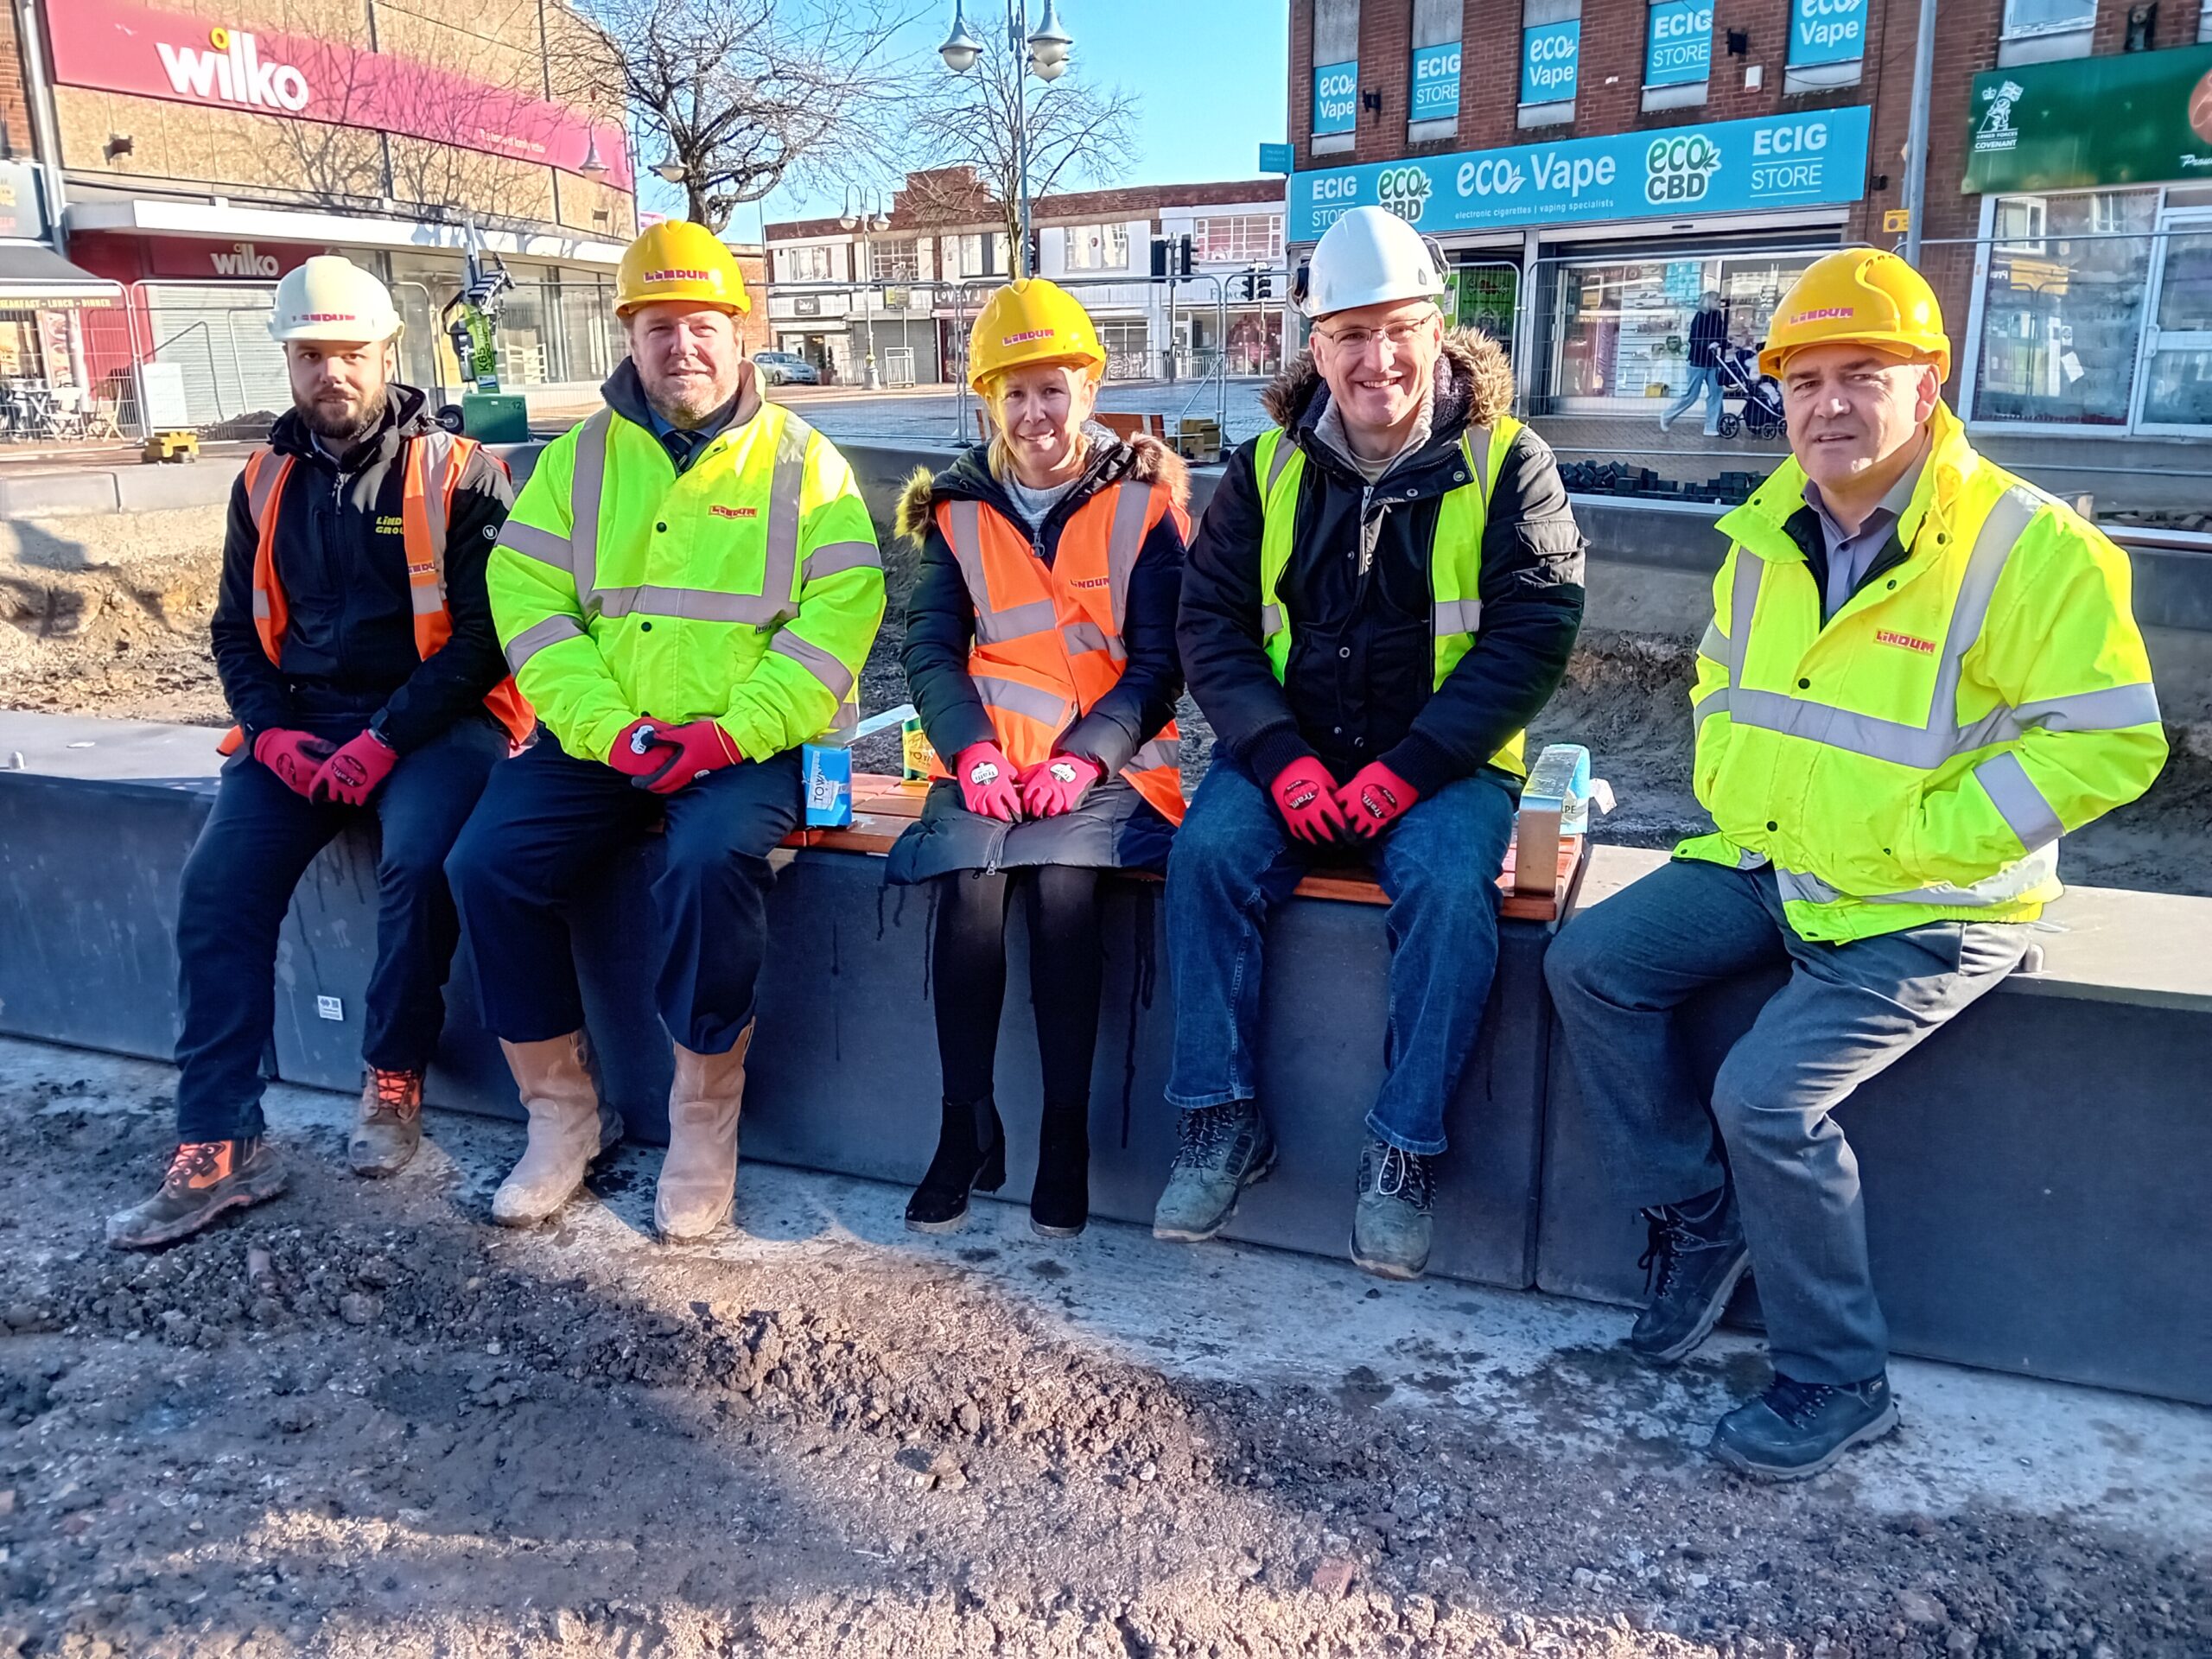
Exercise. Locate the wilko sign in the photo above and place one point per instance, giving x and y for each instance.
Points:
(231, 70)
(118, 46)
(237, 262)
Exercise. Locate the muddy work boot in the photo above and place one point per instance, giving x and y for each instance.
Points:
(568, 1127)
(1225, 1149)
(1797, 1429)
(698, 1178)
(389, 1126)
(1393, 1219)
(1696, 1257)
(205, 1178)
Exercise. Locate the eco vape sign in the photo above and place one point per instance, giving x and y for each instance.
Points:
(1827, 31)
(1549, 54)
(232, 72)
(1336, 97)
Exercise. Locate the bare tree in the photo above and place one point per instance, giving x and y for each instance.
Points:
(741, 93)
(1075, 131)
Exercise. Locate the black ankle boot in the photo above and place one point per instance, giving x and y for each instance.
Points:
(1060, 1205)
(970, 1155)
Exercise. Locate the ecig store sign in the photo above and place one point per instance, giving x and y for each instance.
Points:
(2141, 118)
(1768, 162)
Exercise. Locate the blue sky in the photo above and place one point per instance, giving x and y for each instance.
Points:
(1211, 75)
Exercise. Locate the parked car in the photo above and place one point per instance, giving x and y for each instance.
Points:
(786, 368)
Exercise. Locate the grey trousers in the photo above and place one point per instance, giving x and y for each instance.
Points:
(1620, 970)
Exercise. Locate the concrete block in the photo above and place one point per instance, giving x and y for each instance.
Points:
(57, 495)
(206, 482)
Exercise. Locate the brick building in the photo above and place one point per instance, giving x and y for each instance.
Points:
(1591, 167)
(907, 294)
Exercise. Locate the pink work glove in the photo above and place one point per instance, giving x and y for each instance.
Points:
(1374, 798)
(296, 758)
(673, 755)
(352, 775)
(1058, 785)
(1304, 794)
(986, 778)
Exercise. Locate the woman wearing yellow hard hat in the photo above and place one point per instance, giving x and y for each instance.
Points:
(1040, 646)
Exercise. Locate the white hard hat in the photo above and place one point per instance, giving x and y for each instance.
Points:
(1369, 256)
(330, 297)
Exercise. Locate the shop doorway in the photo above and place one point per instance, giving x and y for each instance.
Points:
(2173, 383)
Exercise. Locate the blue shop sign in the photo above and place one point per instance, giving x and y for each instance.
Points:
(1678, 48)
(1336, 97)
(1803, 160)
(1827, 31)
(1436, 82)
(1549, 54)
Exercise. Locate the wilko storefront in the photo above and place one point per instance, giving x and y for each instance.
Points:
(209, 146)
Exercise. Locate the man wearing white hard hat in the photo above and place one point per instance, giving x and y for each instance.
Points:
(1384, 592)
(354, 639)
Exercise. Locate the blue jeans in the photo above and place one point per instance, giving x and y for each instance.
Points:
(1620, 969)
(1703, 383)
(1233, 861)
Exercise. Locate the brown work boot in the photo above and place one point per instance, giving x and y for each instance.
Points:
(391, 1124)
(698, 1178)
(205, 1178)
(568, 1127)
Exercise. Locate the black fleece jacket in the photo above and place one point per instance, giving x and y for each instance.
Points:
(941, 617)
(1360, 683)
(341, 558)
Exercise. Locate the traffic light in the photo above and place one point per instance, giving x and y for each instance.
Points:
(1171, 257)
(1036, 267)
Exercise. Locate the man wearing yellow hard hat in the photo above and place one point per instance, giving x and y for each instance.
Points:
(686, 590)
(354, 640)
(1920, 673)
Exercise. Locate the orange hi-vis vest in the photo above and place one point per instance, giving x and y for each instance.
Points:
(1048, 638)
(434, 465)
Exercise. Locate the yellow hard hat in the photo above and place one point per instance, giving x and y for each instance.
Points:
(1032, 320)
(678, 260)
(1861, 296)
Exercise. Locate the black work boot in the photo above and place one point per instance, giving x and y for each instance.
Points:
(1059, 1204)
(1796, 1429)
(205, 1178)
(1695, 1256)
(970, 1155)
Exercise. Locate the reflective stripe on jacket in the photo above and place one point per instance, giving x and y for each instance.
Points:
(1455, 556)
(1048, 638)
(1918, 757)
(746, 590)
(435, 463)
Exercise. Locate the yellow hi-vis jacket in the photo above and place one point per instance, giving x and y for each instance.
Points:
(1917, 759)
(747, 589)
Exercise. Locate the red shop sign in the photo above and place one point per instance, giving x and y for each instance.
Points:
(207, 260)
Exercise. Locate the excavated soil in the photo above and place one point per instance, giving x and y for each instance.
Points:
(362, 1421)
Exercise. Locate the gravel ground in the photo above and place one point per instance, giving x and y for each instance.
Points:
(360, 1422)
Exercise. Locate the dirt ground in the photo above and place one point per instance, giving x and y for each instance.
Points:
(362, 1421)
(110, 618)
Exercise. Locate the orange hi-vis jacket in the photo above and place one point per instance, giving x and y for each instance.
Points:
(434, 463)
(1048, 638)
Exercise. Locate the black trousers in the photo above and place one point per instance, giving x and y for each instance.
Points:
(238, 883)
(968, 969)
(551, 822)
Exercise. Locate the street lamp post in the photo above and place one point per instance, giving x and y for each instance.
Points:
(879, 220)
(1048, 50)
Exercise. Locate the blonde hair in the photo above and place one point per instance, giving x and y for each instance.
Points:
(997, 454)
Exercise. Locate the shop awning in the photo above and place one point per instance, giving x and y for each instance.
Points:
(32, 274)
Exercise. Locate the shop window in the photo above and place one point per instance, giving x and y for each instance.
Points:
(1432, 99)
(1096, 247)
(2040, 31)
(1336, 75)
(1127, 341)
(1828, 44)
(1551, 60)
(1622, 330)
(2062, 308)
(1677, 54)
(1237, 238)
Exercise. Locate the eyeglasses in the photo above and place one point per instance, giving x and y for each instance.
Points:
(1356, 340)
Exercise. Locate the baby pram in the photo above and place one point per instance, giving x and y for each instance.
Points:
(1762, 394)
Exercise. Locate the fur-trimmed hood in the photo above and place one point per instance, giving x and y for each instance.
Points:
(1474, 386)
(1140, 459)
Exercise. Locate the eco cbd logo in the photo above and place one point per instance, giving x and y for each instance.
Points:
(1681, 169)
(1403, 191)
